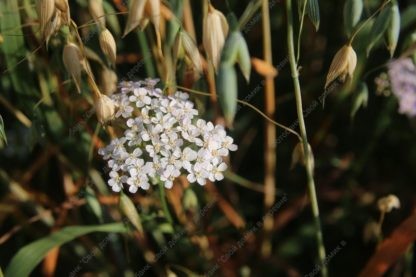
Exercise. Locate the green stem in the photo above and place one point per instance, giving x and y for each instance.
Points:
(308, 157)
(147, 54)
(164, 203)
(300, 30)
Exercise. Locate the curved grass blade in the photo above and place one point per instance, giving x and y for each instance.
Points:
(32, 254)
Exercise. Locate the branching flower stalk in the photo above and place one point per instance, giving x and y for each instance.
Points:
(308, 154)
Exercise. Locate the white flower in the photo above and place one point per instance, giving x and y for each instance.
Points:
(140, 97)
(116, 181)
(162, 139)
(216, 172)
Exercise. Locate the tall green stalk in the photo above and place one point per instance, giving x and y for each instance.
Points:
(308, 155)
(270, 135)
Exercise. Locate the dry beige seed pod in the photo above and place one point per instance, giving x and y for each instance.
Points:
(1, 39)
(135, 16)
(388, 203)
(73, 61)
(342, 66)
(108, 81)
(215, 31)
(105, 108)
(298, 156)
(96, 9)
(45, 9)
(63, 6)
(191, 50)
(108, 45)
(52, 27)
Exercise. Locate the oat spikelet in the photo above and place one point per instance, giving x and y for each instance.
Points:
(215, 31)
(135, 16)
(97, 11)
(73, 60)
(63, 6)
(52, 27)
(108, 81)
(342, 66)
(108, 45)
(105, 108)
(46, 9)
(191, 50)
(298, 156)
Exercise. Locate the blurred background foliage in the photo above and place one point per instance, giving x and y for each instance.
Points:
(52, 178)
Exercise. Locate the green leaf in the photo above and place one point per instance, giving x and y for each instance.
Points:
(129, 210)
(227, 91)
(2, 132)
(14, 48)
(360, 99)
(393, 30)
(408, 16)
(312, 9)
(28, 257)
(93, 203)
(353, 10)
(112, 19)
(379, 27)
(236, 51)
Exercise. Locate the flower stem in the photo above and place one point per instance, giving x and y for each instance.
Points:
(164, 203)
(308, 161)
(270, 134)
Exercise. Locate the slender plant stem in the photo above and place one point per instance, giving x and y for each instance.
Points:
(270, 135)
(164, 203)
(308, 156)
(300, 30)
(293, 132)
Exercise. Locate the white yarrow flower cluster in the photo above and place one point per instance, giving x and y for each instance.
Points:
(163, 139)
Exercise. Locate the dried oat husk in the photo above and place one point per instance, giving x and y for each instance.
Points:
(264, 68)
(108, 45)
(63, 6)
(215, 31)
(52, 27)
(108, 81)
(191, 50)
(342, 66)
(136, 12)
(298, 156)
(45, 9)
(153, 8)
(105, 108)
(73, 62)
(96, 9)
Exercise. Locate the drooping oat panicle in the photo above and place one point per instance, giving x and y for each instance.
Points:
(96, 10)
(191, 50)
(136, 12)
(215, 31)
(105, 108)
(63, 6)
(108, 45)
(342, 66)
(73, 61)
(45, 9)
